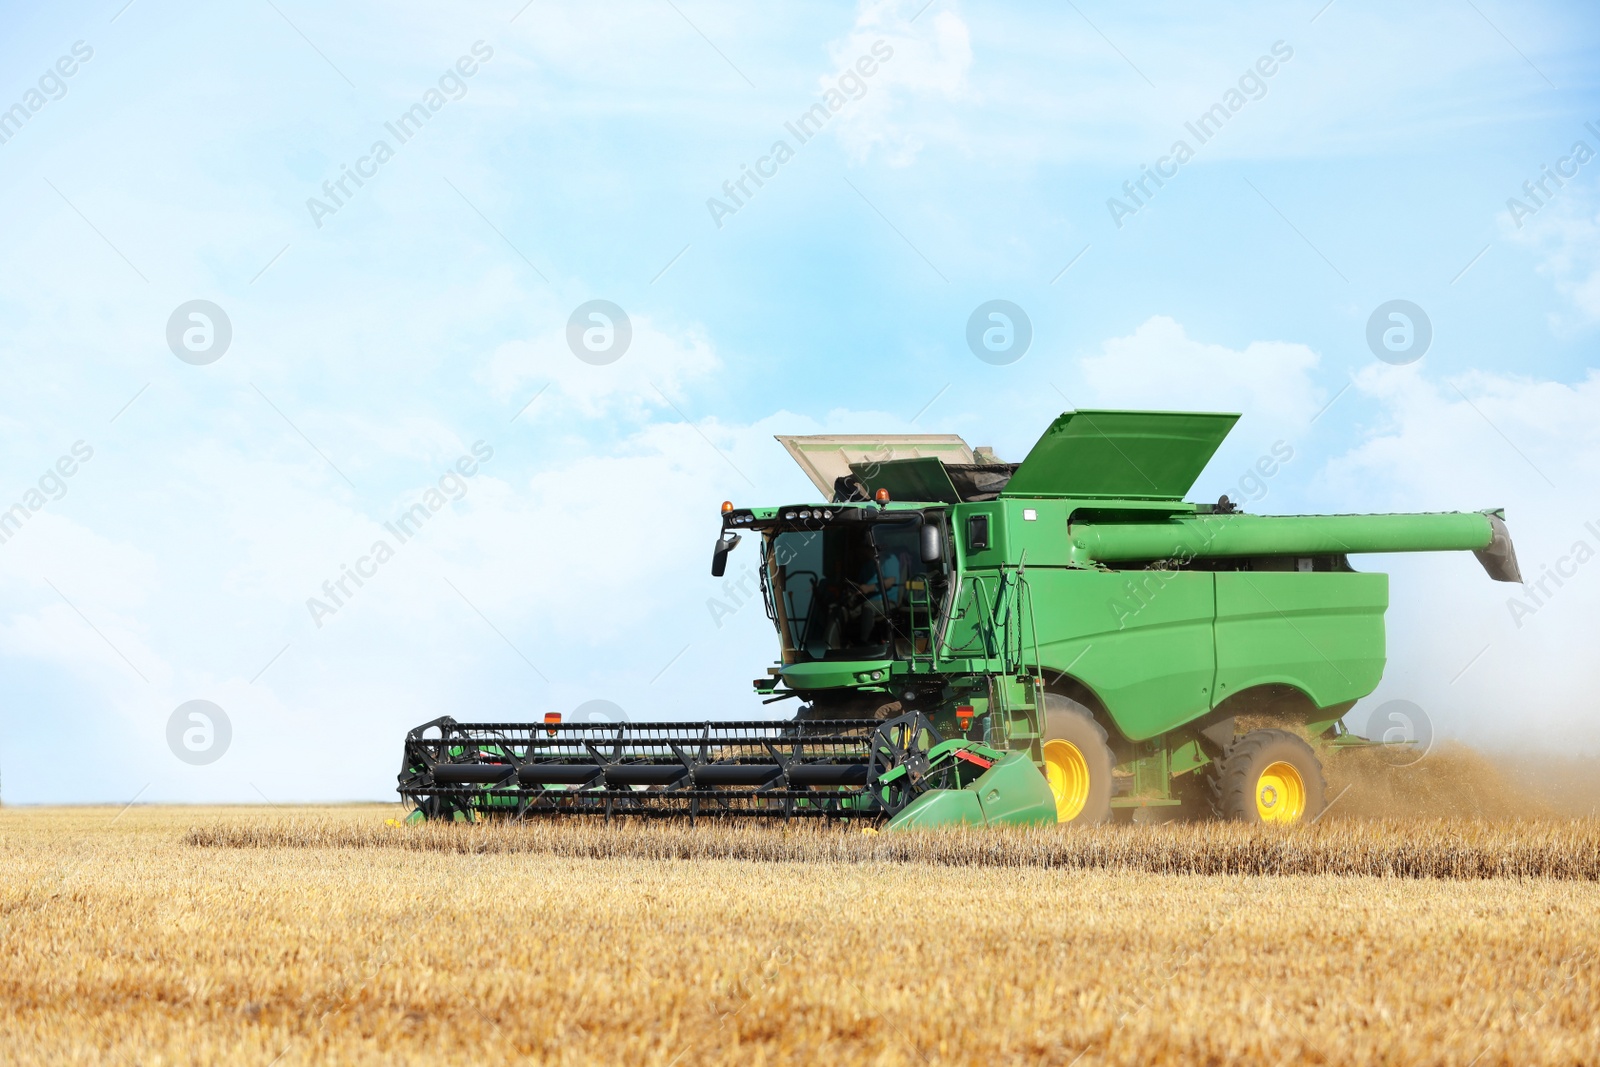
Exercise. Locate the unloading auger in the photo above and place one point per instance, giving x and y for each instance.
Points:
(969, 641)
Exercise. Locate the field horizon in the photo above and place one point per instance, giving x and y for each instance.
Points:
(280, 934)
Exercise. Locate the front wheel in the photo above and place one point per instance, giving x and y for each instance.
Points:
(1077, 762)
(1269, 776)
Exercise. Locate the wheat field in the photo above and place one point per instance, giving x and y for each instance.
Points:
(285, 936)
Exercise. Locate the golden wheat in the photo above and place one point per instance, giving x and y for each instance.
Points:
(331, 937)
(1406, 849)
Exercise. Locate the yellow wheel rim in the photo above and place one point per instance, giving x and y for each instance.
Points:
(1068, 773)
(1280, 794)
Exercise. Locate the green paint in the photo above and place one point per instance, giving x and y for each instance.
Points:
(831, 674)
(1187, 756)
(1220, 536)
(1013, 792)
(1089, 571)
(939, 807)
(1130, 454)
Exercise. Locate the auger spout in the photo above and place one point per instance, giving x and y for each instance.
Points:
(1220, 536)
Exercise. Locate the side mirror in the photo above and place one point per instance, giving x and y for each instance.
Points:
(719, 555)
(932, 542)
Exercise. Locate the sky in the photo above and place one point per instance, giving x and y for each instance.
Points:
(232, 368)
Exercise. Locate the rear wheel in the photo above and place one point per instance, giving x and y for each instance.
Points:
(1269, 776)
(1077, 762)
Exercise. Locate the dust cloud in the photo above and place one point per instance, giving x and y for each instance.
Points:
(1457, 781)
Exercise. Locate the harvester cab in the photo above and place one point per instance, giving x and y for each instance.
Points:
(969, 641)
(851, 588)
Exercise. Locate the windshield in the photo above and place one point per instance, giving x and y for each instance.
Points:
(853, 592)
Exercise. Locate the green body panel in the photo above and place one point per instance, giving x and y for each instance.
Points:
(1152, 663)
(1321, 633)
(1014, 792)
(1011, 793)
(1187, 756)
(939, 807)
(1133, 454)
(965, 636)
(1162, 647)
(831, 674)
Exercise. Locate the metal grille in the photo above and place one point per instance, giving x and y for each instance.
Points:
(761, 768)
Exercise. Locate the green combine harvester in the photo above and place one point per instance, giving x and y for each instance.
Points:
(970, 641)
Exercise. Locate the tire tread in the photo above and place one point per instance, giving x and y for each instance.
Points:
(1232, 787)
(1058, 708)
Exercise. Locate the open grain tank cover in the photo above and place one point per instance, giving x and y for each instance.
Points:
(827, 457)
(924, 479)
(1150, 455)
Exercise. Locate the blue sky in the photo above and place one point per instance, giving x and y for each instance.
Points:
(371, 352)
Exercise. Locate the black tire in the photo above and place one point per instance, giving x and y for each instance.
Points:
(1067, 720)
(1237, 784)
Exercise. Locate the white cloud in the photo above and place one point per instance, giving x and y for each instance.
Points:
(51, 570)
(194, 538)
(1566, 232)
(1439, 439)
(655, 363)
(1482, 671)
(592, 566)
(1160, 366)
(908, 99)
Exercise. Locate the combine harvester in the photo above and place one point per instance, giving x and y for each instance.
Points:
(976, 642)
